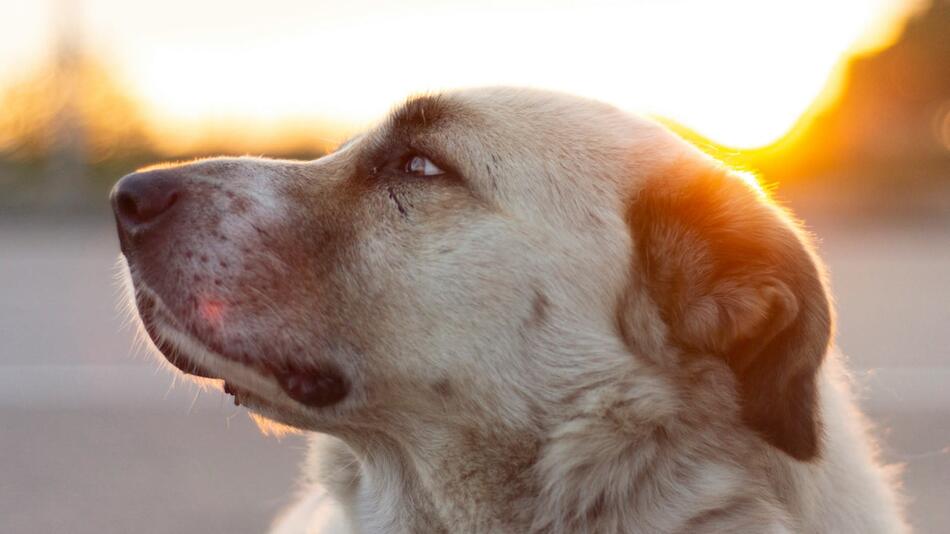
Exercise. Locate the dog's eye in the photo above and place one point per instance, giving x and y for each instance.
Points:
(422, 166)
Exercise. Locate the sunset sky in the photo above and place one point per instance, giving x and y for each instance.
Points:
(739, 72)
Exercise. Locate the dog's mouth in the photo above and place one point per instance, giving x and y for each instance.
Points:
(312, 387)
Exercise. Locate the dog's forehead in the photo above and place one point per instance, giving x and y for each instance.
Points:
(526, 148)
(501, 110)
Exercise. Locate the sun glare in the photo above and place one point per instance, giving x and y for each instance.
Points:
(752, 181)
(739, 72)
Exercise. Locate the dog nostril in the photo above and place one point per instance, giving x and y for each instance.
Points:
(127, 207)
(140, 198)
(169, 201)
(141, 210)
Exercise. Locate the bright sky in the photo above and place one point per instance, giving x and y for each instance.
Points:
(737, 71)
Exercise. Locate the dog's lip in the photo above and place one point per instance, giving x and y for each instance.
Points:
(316, 387)
(175, 357)
(182, 362)
(179, 360)
(152, 316)
(148, 311)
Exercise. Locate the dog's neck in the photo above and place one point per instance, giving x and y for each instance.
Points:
(471, 479)
(581, 470)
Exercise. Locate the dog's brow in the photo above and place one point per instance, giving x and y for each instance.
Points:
(418, 113)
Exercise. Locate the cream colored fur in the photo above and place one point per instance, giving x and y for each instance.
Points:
(512, 367)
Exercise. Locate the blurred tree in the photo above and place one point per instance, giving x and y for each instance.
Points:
(99, 112)
(66, 118)
(892, 111)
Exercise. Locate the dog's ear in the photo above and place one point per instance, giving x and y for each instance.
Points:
(733, 277)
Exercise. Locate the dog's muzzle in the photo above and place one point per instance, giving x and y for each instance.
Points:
(151, 210)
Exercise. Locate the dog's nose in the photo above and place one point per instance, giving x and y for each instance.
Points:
(144, 197)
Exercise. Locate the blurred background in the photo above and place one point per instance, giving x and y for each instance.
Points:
(841, 108)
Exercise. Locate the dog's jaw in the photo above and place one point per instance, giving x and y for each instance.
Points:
(272, 393)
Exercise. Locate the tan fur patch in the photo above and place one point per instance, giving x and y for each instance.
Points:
(733, 279)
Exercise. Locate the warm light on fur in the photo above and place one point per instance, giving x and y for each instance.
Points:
(585, 325)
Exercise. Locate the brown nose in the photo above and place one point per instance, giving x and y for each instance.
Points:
(142, 198)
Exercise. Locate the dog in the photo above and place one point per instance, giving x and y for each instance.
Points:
(511, 310)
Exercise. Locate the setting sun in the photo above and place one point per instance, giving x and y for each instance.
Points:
(738, 72)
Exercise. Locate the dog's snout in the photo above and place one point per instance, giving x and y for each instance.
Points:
(144, 197)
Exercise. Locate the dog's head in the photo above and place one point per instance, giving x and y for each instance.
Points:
(475, 258)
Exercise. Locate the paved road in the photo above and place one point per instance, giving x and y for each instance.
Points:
(94, 440)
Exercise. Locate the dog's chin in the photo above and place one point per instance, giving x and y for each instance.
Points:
(269, 389)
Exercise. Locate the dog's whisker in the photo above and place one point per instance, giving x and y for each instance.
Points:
(194, 401)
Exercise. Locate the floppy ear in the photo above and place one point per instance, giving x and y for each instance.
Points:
(733, 278)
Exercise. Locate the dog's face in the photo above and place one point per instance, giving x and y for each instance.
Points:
(474, 259)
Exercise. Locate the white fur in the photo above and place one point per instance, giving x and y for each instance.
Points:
(491, 388)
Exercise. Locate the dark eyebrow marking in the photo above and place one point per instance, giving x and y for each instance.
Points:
(403, 134)
(419, 112)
